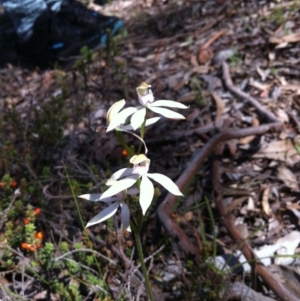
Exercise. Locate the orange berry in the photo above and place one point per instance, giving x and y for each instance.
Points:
(37, 211)
(1, 184)
(125, 153)
(24, 245)
(31, 248)
(26, 221)
(39, 235)
(13, 184)
(38, 245)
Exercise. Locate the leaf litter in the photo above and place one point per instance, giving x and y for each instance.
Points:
(178, 47)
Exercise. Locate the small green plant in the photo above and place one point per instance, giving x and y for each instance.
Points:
(196, 85)
(31, 149)
(274, 70)
(235, 59)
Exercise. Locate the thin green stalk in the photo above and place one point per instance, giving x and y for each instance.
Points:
(136, 230)
(123, 143)
(142, 262)
(212, 220)
(140, 222)
(142, 132)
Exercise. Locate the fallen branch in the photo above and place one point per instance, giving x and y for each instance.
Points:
(166, 207)
(263, 112)
(279, 290)
(228, 220)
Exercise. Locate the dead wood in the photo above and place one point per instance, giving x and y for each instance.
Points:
(228, 220)
(166, 207)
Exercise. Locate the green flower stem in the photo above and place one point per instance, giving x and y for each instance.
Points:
(140, 222)
(136, 230)
(142, 131)
(142, 262)
(123, 143)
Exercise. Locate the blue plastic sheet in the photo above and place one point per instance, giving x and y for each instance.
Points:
(24, 13)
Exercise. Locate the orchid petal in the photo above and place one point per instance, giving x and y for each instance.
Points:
(124, 172)
(113, 124)
(95, 197)
(166, 112)
(166, 182)
(145, 94)
(125, 217)
(120, 118)
(140, 163)
(123, 115)
(136, 159)
(169, 103)
(91, 197)
(119, 186)
(114, 110)
(146, 193)
(133, 191)
(151, 121)
(143, 89)
(146, 99)
(125, 128)
(104, 214)
(138, 118)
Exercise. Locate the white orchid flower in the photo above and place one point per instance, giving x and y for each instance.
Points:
(146, 99)
(126, 177)
(116, 120)
(116, 201)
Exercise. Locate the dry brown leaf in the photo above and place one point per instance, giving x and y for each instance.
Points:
(188, 216)
(282, 115)
(288, 276)
(265, 202)
(235, 203)
(274, 225)
(220, 106)
(291, 38)
(259, 86)
(193, 115)
(179, 85)
(295, 206)
(282, 136)
(232, 146)
(287, 177)
(281, 150)
(193, 61)
(251, 204)
(248, 139)
(188, 97)
(243, 229)
(262, 73)
(200, 70)
(205, 55)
